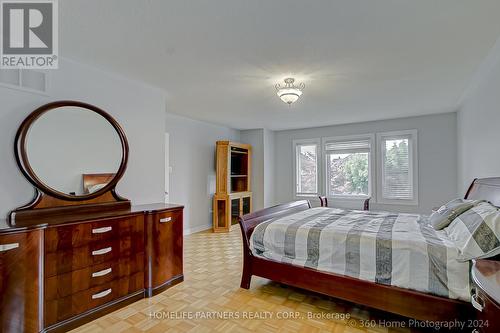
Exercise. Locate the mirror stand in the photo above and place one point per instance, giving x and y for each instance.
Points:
(45, 208)
(55, 147)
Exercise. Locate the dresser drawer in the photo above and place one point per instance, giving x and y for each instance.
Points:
(78, 235)
(67, 307)
(168, 218)
(68, 260)
(63, 285)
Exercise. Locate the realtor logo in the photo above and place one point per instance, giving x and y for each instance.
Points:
(29, 34)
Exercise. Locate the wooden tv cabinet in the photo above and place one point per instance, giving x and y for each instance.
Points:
(233, 195)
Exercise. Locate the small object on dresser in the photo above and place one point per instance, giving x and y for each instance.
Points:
(485, 296)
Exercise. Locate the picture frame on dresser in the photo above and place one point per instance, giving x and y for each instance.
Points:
(79, 250)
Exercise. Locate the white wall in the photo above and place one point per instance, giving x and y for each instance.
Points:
(255, 138)
(139, 108)
(269, 168)
(478, 124)
(192, 158)
(262, 141)
(437, 156)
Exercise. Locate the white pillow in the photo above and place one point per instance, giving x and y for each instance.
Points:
(442, 217)
(476, 232)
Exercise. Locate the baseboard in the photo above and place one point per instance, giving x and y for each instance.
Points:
(196, 229)
(150, 292)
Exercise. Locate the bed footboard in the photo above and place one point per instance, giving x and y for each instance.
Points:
(250, 221)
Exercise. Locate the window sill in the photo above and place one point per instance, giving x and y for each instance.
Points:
(349, 198)
(305, 196)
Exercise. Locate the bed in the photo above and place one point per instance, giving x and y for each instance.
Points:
(407, 278)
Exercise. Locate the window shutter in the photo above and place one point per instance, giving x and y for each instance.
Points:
(397, 177)
(348, 167)
(360, 146)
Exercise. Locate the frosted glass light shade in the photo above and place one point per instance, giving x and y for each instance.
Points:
(289, 95)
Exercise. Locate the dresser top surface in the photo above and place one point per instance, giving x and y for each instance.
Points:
(5, 227)
(156, 207)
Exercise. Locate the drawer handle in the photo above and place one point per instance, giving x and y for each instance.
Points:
(477, 301)
(165, 220)
(102, 251)
(102, 273)
(102, 294)
(102, 230)
(8, 247)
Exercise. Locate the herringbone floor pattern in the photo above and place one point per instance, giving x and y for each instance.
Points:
(210, 300)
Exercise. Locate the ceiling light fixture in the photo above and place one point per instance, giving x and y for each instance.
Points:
(289, 93)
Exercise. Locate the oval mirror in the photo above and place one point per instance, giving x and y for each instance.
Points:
(71, 150)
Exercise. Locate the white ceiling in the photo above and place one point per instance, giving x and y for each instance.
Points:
(218, 60)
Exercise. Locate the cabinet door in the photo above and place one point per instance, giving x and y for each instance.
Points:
(165, 244)
(235, 210)
(246, 205)
(20, 278)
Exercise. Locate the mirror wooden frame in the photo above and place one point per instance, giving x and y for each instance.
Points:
(23, 159)
(50, 199)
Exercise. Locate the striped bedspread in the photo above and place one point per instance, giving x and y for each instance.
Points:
(389, 248)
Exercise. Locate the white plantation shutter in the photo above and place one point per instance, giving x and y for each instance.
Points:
(341, 147)
(397, 169)
(343, 178)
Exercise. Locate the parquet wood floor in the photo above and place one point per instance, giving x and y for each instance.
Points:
(210, 300)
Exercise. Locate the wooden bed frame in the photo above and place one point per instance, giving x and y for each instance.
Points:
(405, 302)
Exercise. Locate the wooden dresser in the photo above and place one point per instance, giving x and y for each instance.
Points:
(79, 250)
(60, 274)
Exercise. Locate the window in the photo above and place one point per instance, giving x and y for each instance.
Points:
(306, 167)
(397, 167)
(382, 167)
(348, 167)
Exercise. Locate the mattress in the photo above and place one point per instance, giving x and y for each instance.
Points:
(394, 249)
